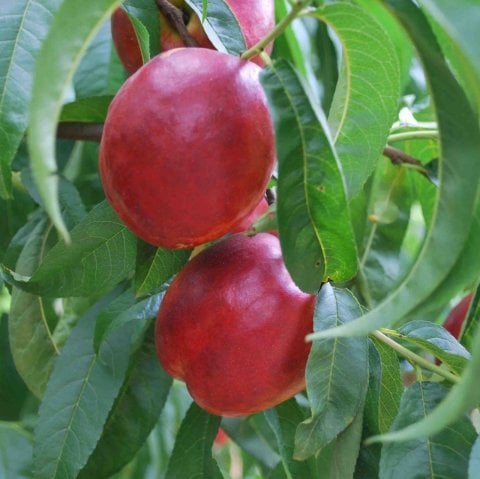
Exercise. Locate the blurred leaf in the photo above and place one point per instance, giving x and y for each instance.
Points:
(13, 391)
(457, 195)
(192, 456)
(438, 341)
(458, 29)
(23, 26)
(389, 213)
(283, 420)
(78, 399)
(472, 321)
(474, 462)
(100, 72)
(221, 26)
(143, 37)
(89, 110)
(72, 29)
(443, 455)
(15, 452)
(385, 388)
(30, 334)
(337, 374)
(133, 416)
(124, 310)
(314, 223)
(365, 102)
(101, 255)
(155, 266)
(339, 458)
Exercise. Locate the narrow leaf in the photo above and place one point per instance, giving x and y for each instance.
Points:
(337, 374)
(192, 456)
(23, 26)
(443, 455)
(314, 223)
(221, 26)
(133, 415)
(78, 398)
(365, 102)
(457, 194)
(72, 29)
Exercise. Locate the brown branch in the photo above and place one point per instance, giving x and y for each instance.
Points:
(398, 157)
(76, 130)
(174, 16)
(270, 196)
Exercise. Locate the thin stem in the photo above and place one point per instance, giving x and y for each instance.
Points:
(398, 157)
(415, 358)
(413, 135)
(174, 16)
(75, 130)
(297, 7)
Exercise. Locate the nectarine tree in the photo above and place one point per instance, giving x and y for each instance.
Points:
(240, 216)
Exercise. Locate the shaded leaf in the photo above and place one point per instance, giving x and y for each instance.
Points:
(89, 110)
(15, 452)
(474, 462)
(192, 456)
(23, 26)
(314, 223)
(337, 374)
(133, 416)
(365, 102)
(443, 455)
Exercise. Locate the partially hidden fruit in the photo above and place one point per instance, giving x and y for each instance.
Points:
(256, 18)
(455, 319)
(188, 147)
(232, 325)
(248, 221)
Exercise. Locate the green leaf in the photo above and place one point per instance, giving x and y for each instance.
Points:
(142, 37)
(102, 254)
(100, 71)
(385, 388)
(436, 340)
(13, 391)
(472, 321)
(221, 26)
(459, 32)
(457, 195)
(79, 395)
(89, 110)
(339, 458)
(336, 375)
(474, 462)
(23, 26)
(389, 209)
(192, 456)
(30, 325)
(314, 223)
(155, 266)
(283, 420)
(133, 415)
(15, 452)
(443, 455)
(72, 29)
(365, 102)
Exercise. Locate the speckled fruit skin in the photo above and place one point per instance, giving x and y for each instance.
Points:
(457, 315)
(125, 40)
(256, 18)
(188, 147)
(232, 325)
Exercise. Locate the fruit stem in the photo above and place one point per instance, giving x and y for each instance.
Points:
(414, 358)
(413, 135)
(281, 26)
(174, 16)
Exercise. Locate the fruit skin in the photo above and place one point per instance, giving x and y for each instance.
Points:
(125, 40)
(188, 147)
(456, 317)
(232, 325)
(248, 221)
(256, 18)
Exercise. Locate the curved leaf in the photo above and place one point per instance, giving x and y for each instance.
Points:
(365, 101)
(458, 192)
(314, 222)
(23, 26)
(72, 29)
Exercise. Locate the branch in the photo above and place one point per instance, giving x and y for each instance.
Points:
(398, 157)
(75, 130)
(174, 16)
